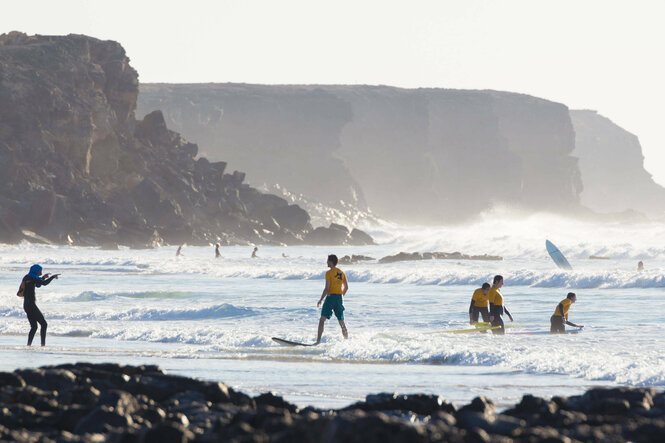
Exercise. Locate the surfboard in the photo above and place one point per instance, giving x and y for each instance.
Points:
(481, 327)
(557, 256)
(572, 331)
(281, 341)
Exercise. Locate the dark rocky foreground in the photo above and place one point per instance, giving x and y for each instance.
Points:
(108, 402)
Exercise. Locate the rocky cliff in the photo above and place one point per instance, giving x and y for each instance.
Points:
(76, 165)
(612, 167)
(424, 155)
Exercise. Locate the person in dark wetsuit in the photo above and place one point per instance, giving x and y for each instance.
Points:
(31, 281)
(559, 320)
(217, 254)
(479, 304)
(497, 309)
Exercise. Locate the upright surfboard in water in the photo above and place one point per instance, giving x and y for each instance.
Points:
(557, 256)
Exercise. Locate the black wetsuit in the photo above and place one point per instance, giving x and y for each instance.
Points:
(475, 311)
(30, 306)
(497, 311)
(557, 324)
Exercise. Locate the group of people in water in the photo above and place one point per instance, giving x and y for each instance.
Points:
(178, 252)
(487, 302)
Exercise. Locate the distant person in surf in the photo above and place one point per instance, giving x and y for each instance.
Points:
(33, 280)
(497, 309)
(178, 253)
(559, 320)
(284, 255)
(640, 266)
(333, 293)
(217, 254)
(480, 304)
(254, 252)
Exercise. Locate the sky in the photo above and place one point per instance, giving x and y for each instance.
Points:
(605, 55)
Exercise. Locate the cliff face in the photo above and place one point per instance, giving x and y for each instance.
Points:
(77, 167)
(612, 167)
(425, 155)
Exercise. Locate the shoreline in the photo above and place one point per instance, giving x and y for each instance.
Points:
(84, 402)
(301, 382)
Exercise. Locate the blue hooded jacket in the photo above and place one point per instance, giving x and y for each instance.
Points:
(34, 270)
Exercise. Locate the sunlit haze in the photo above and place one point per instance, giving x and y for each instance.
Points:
(601, 55)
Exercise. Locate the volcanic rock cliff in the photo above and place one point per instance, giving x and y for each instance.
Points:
(76, 166)
(612, 167)
(423, 155)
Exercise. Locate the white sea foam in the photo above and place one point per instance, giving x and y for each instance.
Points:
(196, 306)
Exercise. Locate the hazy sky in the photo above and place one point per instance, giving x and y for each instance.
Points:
(588, 54)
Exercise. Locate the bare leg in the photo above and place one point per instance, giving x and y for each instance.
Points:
(322, 322)
(345, 333)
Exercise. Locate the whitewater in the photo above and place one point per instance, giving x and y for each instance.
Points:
(214, 318)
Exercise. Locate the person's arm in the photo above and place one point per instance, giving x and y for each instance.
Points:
(45, 281)
(492, 311)
(345, 285)
(21, 289)
(570, 323)
(326, 290)
(505, 309)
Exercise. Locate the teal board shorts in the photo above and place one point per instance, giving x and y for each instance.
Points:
(332, 304)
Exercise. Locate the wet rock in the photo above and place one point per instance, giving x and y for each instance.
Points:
(11, 379)
(417, 403)
(360, 238)
(480, 405)
(168, 433)
(49, 379)
(269, 399)
(333, 235)
(354, 259)
(101, 420)
(121, 402)
(413, 256)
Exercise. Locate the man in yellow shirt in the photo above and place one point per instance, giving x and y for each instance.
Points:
(336, 287)
(559, 320)
(479, 304)
(497, 309)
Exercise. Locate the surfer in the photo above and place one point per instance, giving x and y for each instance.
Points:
(217, 254)
(31, 281)
(497, 308)
(559, 320)
(640, 266)
(480, 304)
(336, 287)
(178, 253)
(254, 252)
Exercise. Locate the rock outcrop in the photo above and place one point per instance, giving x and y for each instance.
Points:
(423, 155)
(612, 167)
(107, 402)
(77, 167)
(414, 256)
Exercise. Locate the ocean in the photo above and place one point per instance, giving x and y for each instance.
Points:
(213, 318)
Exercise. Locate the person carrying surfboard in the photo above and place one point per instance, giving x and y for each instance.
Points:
(480, 304)
(497, 308)
(559, 320)
(336, 287)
